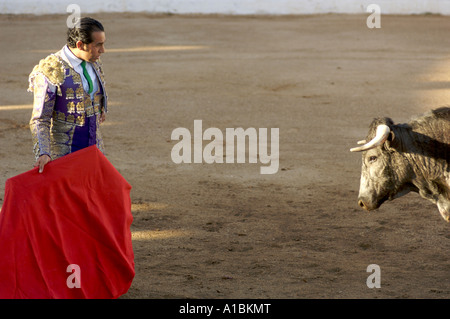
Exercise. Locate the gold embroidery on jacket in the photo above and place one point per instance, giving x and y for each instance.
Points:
(89, 111)
(80, 107)
(70, 94)
(61, 138)
(52, 68)
(76, 78)
(61, 116)
(71, 107)
(79, 92)
(80, 120)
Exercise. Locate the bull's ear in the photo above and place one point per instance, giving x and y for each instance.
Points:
(391, 144)
(391, 136)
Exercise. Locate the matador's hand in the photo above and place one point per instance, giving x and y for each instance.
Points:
(102, 117)
(42, 160)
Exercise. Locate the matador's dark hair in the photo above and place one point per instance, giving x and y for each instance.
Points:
(83, 32)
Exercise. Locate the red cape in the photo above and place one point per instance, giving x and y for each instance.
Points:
(77, 213)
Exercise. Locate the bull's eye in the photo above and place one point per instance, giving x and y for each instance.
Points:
(372, 159)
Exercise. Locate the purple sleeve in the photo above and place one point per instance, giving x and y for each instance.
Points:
(43, 104)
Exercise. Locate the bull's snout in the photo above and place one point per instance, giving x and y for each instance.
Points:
(369, 204)
(366, 204)
(362, 205)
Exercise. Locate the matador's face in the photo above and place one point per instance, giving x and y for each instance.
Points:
(91, 52)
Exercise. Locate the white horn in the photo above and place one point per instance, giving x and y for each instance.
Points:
(381, 136)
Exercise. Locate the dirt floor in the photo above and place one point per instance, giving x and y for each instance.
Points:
(225, 230)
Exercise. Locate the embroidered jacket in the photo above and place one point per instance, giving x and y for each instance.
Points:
(66, 119)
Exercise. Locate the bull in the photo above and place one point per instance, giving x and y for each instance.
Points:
(410, 157)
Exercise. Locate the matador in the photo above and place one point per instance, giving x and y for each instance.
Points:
(70, 99)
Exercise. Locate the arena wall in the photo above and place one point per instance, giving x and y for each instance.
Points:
(234, 7)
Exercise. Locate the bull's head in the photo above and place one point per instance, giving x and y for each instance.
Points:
(384, 173)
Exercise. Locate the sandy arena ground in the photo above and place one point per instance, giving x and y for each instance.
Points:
(225, 230)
